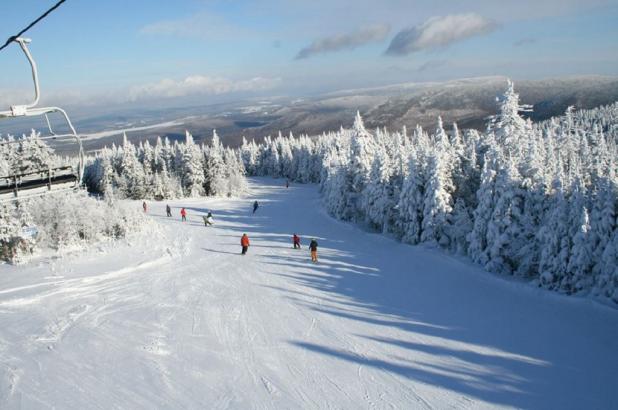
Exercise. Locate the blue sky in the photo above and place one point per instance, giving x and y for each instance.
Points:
(138, 51)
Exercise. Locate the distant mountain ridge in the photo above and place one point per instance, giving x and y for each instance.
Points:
(466, 101)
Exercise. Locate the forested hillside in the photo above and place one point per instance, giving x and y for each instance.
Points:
(166, 170)
(531, 200)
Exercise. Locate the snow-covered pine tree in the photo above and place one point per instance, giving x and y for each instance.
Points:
(333, 184)
(285, 160)
(192, 167)
(504, 228)
(378, 200)
(509, 129)
(362, 149)
(607, 282)
(603, 217)
(580, 262)
(411, 204)
(573, 222)
(554, 239)
(215, 172)
(249, 156)
(478, 248)
(10, 231)
(438, 200)
(33, 154)
(461, 224)
(131, 172)
(236, 184)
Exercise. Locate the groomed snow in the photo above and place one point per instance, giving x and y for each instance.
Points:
(187, 322)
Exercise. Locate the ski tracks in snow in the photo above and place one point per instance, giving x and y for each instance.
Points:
(187, 322)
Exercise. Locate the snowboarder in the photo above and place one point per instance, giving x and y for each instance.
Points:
(313, 246)
(183, 214)
(208, 220)
(255, 206)
(296, 241)
(244, 242)
(145, 206)
(168, 210)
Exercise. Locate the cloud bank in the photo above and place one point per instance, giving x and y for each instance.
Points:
(198, 85)
(194, 85)
(439, 32)
(349, 41)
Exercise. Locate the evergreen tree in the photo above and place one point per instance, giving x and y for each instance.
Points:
(133, 184)
(438, 200)
(478, 248)
(509, 128)
(192, 168)
(580, 263)
(361, 157)
(378, 198)
(554, 240)
(215, 172)
(411, 204)
(504, 228)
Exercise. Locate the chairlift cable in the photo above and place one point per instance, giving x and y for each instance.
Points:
(12, 38)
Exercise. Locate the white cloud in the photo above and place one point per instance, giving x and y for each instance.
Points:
(198, 85)
(348, 41)
(194, 85)
(439, 32)
(204, 26)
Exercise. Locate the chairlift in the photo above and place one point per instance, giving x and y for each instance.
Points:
(24, 183)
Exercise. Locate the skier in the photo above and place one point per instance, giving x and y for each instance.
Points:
(145, 206)
(183, 214)
(244, 242)
(287, 183)
(208, 220)
(168, 210)
(296, 240)
(255, 206)
(313, 246)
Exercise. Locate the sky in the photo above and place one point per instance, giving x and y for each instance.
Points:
(142, 52)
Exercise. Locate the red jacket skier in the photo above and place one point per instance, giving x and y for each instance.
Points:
(296, 240)
(183, 214)
(244, 242)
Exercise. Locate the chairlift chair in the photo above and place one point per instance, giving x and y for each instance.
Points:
(24, 183)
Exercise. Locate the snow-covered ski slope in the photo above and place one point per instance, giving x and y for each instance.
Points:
(187, 322)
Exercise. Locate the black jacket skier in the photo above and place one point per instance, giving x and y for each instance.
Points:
(313, 247)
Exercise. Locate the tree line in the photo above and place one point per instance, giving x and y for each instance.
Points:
(166, 170)
(536, 201)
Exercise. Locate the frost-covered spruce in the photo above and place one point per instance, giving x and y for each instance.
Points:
(215, 173)
(477, 238)
(554, 240)
(411, 204)
(378, 200)
(191, 167)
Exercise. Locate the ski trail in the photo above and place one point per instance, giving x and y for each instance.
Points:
(189, 323)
